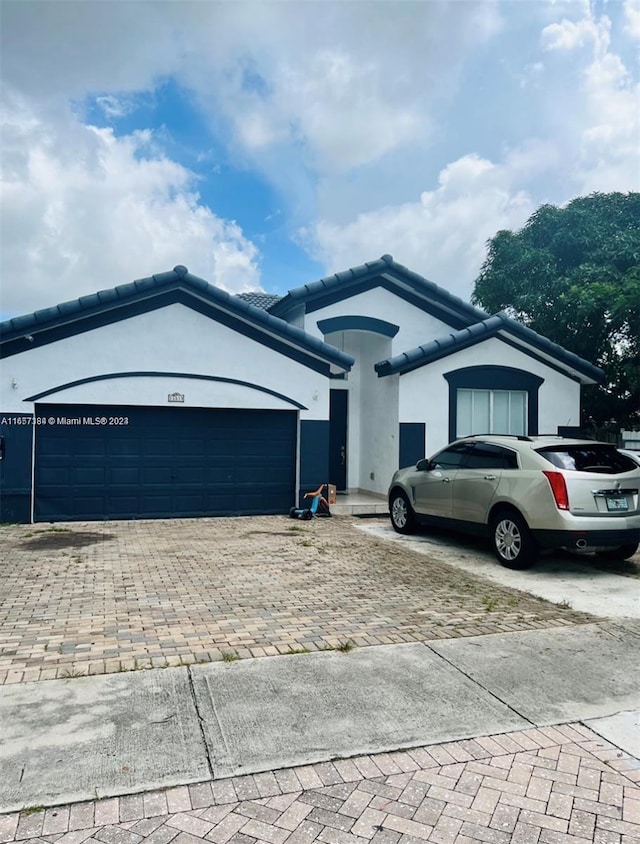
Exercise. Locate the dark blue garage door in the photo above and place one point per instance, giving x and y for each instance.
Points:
(98, 462)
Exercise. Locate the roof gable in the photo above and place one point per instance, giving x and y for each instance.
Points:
(179, 285)
(384, 272)
(505, 329)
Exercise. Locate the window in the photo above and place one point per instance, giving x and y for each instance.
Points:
(491, 412)
(593, 458)
(496, 399)
(490, 456)
(452, 457)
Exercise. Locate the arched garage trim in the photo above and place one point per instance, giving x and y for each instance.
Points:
(490, 377)
(358, 323)
(196, 376)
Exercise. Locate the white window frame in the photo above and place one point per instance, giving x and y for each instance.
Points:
(492, 393)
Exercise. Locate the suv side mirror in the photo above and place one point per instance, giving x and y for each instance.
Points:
(423, 465)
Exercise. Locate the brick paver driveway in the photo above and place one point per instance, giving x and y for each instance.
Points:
(103, 597)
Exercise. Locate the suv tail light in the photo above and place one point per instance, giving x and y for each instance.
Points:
(558, 488)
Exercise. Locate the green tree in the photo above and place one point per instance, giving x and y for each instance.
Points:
(573, 275)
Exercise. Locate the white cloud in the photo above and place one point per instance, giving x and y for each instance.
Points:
(568, 34)
(385, 127)
(84, 210)
(114, 106)
(442, 235)
(606, 137)
(632, 15)
(295, 89)
(76, 47)
(345, 81)
(337, 84)
(335, 106)
(609, 157)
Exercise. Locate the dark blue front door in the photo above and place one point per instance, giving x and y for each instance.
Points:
(338, 406)
(99, 462)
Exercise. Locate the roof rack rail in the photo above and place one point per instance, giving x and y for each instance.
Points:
(522, 437)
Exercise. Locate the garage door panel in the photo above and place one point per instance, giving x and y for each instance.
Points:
(166, 462)
(191, 448)
(155, 447)
(59, 447)
(121, 506)
(219, 477)
(247, 474)
(56, 475)
(192, 503)
(150, 476)
(190, 475)
(124, 447)
(222, 449)
(123, 475)
(49, 506)
(254, 450)
(155, 505)
(88, 446)
(89, 475)
(250, 500)
(86, 505)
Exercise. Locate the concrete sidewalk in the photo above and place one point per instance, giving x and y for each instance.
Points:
(80, 739)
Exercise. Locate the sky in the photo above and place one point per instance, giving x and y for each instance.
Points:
(264, 145)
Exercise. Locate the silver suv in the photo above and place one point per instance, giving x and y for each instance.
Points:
(525, 493)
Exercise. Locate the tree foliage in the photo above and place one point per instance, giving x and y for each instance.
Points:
(573, 275)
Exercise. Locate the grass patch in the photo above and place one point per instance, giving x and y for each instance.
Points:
(31, 810)
(229, 656)
(298, 651)
(71, 674)
(345, 647)
(490, 604)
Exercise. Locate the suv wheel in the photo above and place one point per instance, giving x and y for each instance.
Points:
(401, 512)
(622, 553)
(512, 542)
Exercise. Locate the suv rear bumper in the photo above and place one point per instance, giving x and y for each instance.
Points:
(592, 538)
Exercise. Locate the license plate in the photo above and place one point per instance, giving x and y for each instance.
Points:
(619, 503)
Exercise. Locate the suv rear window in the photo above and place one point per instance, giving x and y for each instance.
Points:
(588, 458)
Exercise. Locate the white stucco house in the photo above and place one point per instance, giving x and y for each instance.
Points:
(169, 397)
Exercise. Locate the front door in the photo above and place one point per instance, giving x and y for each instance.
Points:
(338, 404)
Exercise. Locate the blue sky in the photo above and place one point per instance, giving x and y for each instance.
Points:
(266, 144)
